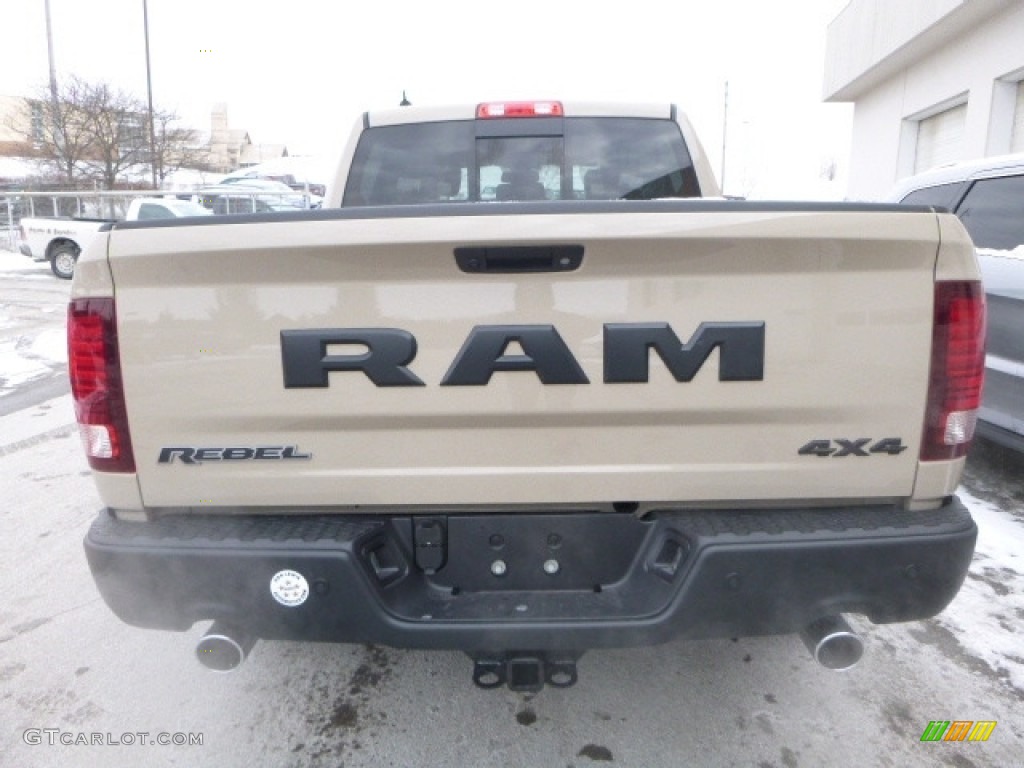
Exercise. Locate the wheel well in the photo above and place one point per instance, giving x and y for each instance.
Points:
(59, 241)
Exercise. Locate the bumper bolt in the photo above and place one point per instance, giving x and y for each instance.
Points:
(551, 567)
(498, 568)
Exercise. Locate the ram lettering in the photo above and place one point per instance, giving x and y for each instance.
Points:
(307, 361)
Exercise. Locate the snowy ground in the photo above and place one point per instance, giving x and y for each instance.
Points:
(32, 341)
(67, 663)
(12, 263)
(987, 618)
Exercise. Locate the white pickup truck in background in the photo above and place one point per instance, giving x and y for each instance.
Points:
(61, 240)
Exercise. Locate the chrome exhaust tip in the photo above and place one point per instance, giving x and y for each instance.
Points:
(832, 643)
(223, 649)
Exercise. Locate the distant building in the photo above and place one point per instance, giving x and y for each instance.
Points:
(228, 149)
(232, 148)
(254, 154)
(17, 122)
(932, 81)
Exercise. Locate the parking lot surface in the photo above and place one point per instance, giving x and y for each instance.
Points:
(79, 688)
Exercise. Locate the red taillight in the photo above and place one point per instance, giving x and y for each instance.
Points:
(95, 370)
(495, 109)
(957, 370)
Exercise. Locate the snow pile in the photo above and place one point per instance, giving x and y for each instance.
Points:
(50, 345)
(26, 358)
(990, 607)
(18, 168)
(28, 355)
(12, 263)
(16, 369)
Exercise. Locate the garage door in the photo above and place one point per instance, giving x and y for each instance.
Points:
(1017, 140)
(940, 138)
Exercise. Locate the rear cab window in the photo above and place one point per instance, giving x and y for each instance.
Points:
(544, 158)
(149, 211)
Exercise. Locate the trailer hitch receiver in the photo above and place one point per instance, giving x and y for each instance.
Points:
(527, 671)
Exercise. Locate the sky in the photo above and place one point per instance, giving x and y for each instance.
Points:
(301, 73)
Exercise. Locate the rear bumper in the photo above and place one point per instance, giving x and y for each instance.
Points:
(620, 581)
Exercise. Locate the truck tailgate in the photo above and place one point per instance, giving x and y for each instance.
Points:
(845, 299)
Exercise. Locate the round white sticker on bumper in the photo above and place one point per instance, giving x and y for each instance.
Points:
(289, 588)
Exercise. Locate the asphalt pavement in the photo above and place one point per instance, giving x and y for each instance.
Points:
(79, 688)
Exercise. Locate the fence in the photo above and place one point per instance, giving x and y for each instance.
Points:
(14, 206)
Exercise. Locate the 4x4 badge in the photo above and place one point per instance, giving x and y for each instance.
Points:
(858, 446)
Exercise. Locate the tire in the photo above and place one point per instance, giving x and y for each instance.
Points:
(62, 261)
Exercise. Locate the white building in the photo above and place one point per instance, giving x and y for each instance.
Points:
(932, 81)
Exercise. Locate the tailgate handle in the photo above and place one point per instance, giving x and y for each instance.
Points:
(505, 259)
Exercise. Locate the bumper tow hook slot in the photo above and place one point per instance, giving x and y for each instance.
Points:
(833, 643)
(224, 648)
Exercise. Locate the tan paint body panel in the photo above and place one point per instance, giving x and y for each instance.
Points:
(846, 298)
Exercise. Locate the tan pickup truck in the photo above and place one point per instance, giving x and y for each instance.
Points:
(519, 390)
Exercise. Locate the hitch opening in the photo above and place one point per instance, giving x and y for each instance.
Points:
(526, 671)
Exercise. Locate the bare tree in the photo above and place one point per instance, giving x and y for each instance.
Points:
(176, 146)
(92, 130)
(116, 123)
(57, 130)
